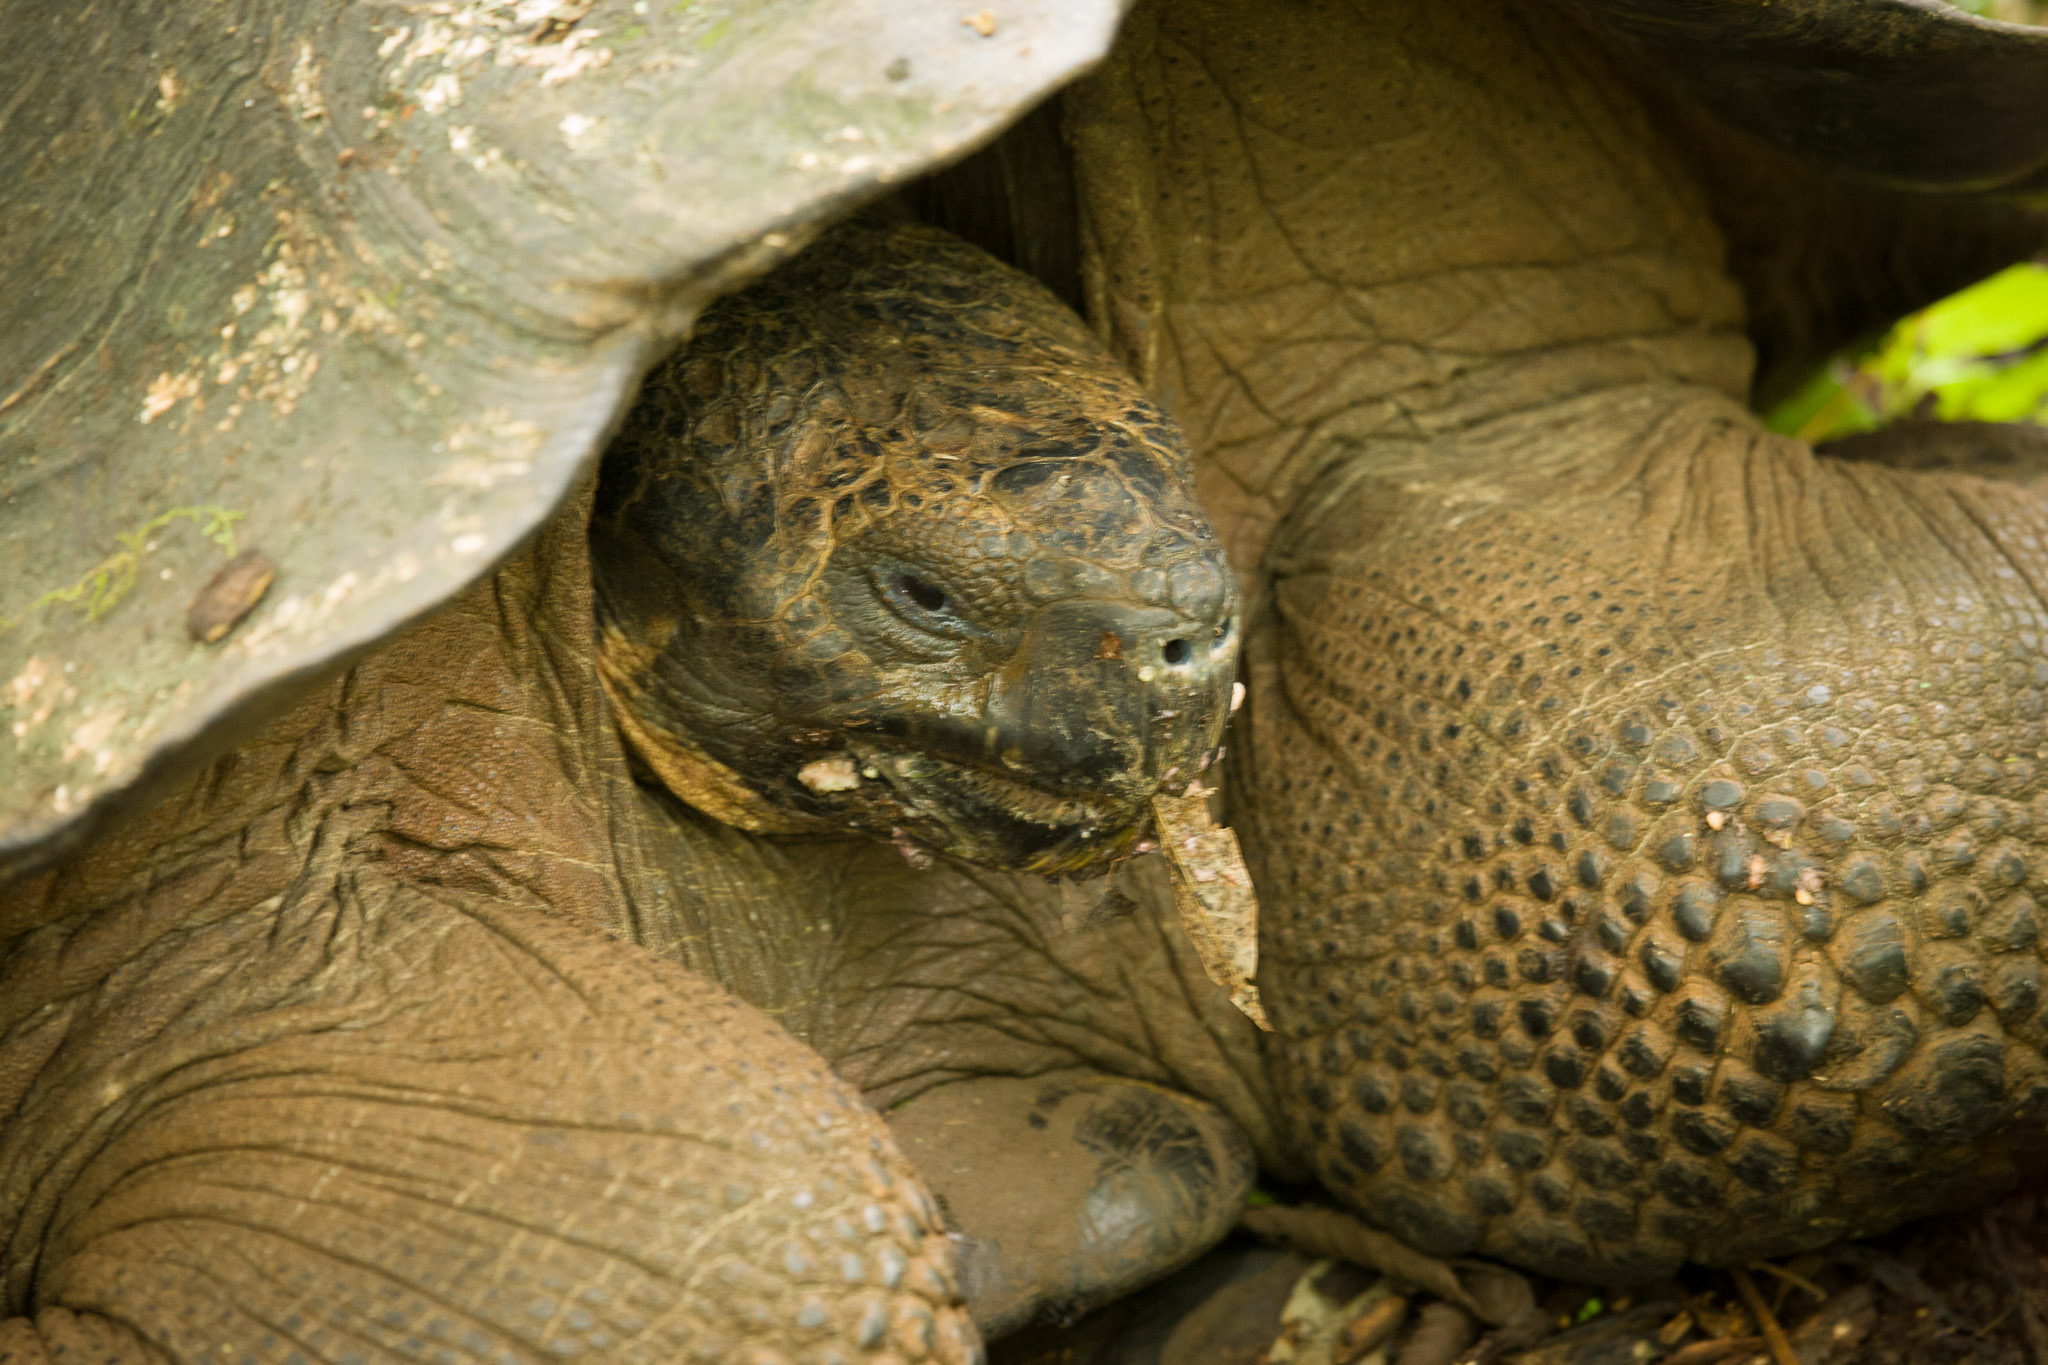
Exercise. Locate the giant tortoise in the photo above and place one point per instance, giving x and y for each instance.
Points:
(454, 953)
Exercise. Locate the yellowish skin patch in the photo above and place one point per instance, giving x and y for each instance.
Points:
(701, 781)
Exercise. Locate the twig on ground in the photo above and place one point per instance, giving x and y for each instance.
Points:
(1707, 1352)
(1766, 1320)
(1793, 1278)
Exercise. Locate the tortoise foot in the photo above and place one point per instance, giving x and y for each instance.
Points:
(1067, 1191)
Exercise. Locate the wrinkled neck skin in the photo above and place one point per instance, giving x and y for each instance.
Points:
(334, 1014)
(1313, 234)
(476, 757)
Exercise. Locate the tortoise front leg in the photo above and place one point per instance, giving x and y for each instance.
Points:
(1666, 879)
(1074, 1188)
(367, 1122)
(1087, 1105)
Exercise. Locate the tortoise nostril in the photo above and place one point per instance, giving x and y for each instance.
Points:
(923, 593)
(1176, 651)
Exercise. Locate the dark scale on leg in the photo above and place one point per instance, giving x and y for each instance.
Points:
(1871, 952)
(1748, 1097)
(1750, 951)
(1693, 908)
(2013, 987)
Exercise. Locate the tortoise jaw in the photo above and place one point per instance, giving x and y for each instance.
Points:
(1048, 767)
(917, 793)
(969, 811)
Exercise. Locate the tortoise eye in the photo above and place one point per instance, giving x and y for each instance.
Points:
(922, 593)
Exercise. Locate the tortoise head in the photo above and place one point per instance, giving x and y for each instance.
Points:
(893, 545)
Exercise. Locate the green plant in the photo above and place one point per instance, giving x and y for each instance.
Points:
(1979, 355)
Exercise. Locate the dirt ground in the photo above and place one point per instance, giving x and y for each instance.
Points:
(1967, 1288)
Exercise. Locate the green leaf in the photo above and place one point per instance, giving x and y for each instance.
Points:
(2007, 312)
(1979, 355)
(2013, 393)
(1826, 405)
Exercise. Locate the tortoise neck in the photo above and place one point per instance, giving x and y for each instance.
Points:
(1313, 227)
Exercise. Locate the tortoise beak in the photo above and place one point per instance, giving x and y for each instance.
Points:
(1102, 705)
(1113, 698)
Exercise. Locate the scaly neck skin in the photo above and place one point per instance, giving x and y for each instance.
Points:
(1308, 232)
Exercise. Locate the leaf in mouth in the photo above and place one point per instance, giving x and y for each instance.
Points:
(1219, 911)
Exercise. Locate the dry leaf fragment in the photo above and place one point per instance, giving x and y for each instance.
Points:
(1368, 1331)
(914, 853)
(982, 22)
(1219, 911)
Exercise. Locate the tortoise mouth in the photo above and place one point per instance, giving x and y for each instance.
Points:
(971, 811)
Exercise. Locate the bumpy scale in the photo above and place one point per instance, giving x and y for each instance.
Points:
(1652, 948)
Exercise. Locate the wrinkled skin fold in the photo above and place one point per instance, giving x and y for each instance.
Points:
(357, 1008)
(354, 1009)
